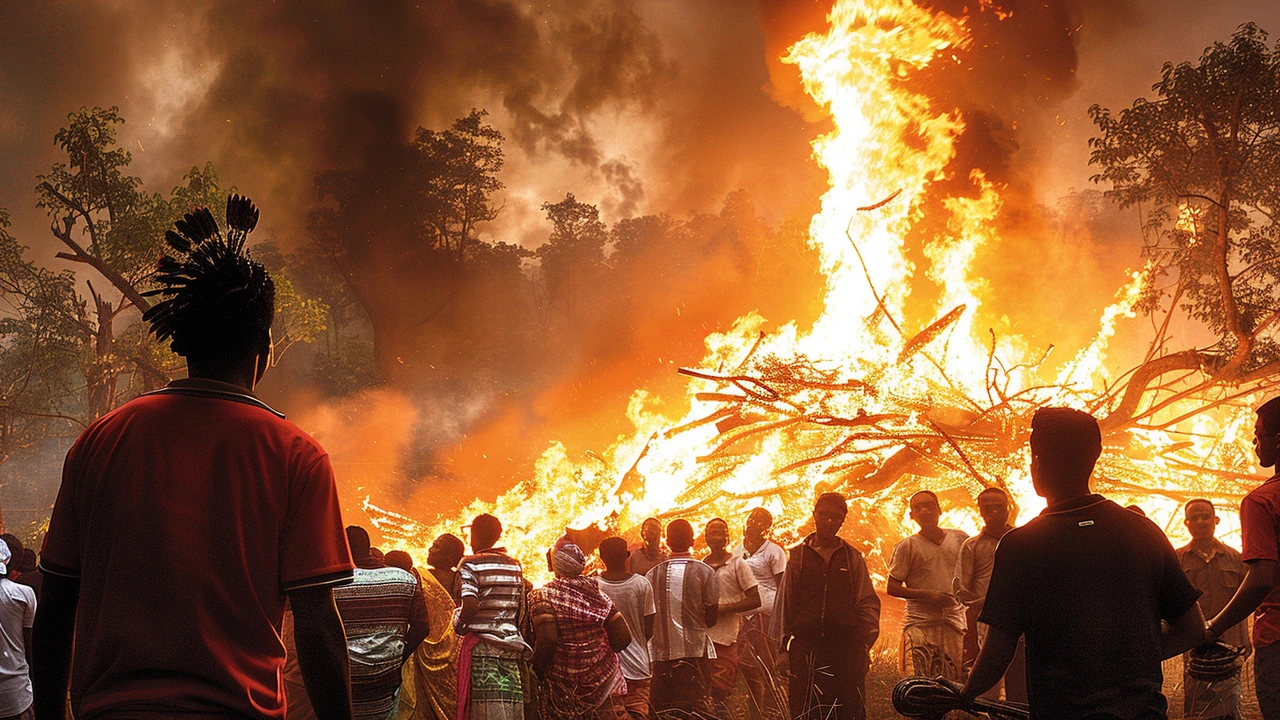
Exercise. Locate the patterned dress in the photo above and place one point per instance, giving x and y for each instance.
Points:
(584, 672)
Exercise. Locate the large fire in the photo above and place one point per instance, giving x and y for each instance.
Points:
(861, 403)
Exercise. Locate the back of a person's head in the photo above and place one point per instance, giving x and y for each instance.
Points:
(1269, 415)
(486, 530)
(217, 305)
(613, 551)
(452, 547)
(358, 539)
(399, 559)
(29, 562)
(16, 549)
(1066, 443)
(679, 535)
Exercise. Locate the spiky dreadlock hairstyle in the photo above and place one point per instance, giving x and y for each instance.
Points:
(217, 303)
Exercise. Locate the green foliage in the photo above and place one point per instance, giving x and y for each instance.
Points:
(460, 169)
(299, 319)
(573, 257)
(1202, 161)
(41, 340)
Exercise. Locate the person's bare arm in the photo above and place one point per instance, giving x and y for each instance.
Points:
(419, 624)
(1185, 633)
(648, 625)
(1259, 579)
(897, 589)
(615, 626)
(322, 652)
(470, 606)
(711, 613)
(993, 659)
(51, 638)
(750, 602)
(546, 636)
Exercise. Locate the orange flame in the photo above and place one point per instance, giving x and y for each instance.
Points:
(877, 392)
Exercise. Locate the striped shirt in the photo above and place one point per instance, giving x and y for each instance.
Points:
(683, 588)
(497, 581)
(377, 609)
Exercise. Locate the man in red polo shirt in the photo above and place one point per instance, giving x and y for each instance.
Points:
(186, 516)
(1259, 518)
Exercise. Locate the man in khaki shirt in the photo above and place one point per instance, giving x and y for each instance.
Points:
(973, 576)
(1217, 571)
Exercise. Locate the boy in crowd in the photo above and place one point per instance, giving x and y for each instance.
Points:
(633, 596)
(922, 570)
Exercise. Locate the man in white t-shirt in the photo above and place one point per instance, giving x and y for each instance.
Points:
(633, 596)
(756, 650)
(17, 611)
(921, 571)
(739, 593)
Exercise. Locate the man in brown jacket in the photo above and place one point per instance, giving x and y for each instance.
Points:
(829, 617)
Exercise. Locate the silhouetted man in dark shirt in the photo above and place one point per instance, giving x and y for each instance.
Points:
(1088, 583)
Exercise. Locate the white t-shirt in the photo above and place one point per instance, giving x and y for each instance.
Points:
(735, 579)
(922, 565)
(17, 611)
(766, 563)
(634, 599)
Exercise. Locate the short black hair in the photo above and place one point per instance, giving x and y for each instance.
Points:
(358, 539)
(485, 531)
(16, 548)
(1269, 415)
(399, 559)
(994, 490)
(835, 500)
(613, 551)
(217, 304)
(1200, 500)
(679, 535)
(456, 547)
(1068, 443)
(718, 520)
(930, 493)
(653, 520)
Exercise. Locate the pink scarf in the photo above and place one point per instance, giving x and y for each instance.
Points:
(464, 675)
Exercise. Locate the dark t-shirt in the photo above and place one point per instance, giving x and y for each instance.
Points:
(1088, 583)
(186, 515)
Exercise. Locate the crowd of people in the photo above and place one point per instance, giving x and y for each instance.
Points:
(197, 565)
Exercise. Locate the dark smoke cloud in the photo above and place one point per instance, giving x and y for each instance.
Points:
(639, 106)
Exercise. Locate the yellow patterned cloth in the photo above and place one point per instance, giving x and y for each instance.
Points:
(429, 690)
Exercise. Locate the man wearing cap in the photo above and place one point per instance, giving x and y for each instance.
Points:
(827, 617)
(17, 611)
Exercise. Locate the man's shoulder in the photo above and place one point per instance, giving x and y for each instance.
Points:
(1268, 493)
(494, 558)
(18, 591)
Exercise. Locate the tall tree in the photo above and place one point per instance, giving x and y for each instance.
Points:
(1202, 162)
(573, 257)
(401, 230)
(460, 169)
(44, 337)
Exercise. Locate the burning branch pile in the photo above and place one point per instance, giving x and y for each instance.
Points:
(860, 404)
